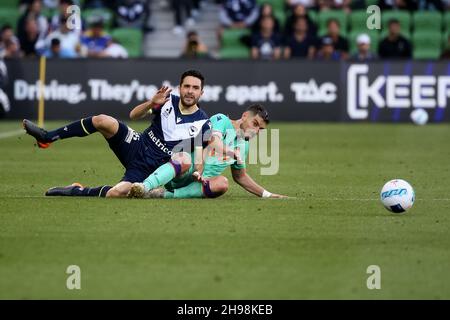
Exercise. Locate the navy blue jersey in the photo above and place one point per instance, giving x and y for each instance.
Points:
(171, 131)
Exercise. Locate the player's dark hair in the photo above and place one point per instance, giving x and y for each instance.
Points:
(258, 109)
(193, 73)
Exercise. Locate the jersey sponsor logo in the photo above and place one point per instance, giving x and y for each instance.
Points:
(158, 143)
(400, 91)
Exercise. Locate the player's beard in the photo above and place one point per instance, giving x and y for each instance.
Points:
(189, 104)
(241, 132)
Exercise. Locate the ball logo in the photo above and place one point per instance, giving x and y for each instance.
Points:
(397, 196)
(394, 192)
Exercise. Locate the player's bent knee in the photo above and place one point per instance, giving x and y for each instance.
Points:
(222, 185)
(106, 125)
(216, 187)
(181, 161)
(103, 121)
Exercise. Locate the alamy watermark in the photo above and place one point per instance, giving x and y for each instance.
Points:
(73, 281)
(373, 22)
(374, 280)
(74, 18)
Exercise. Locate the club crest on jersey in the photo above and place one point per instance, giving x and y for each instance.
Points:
(192, 130)
(167, 112)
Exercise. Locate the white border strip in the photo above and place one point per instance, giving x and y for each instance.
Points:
(9, 134)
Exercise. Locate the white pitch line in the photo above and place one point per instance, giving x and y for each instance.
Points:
(292, 198)
(9, 134)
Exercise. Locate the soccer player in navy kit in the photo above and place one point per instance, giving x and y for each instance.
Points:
(178, 122)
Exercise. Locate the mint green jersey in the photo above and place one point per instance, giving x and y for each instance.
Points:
(214, 164)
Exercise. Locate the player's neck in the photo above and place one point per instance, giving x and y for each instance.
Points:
(236, 125)
(187, 110)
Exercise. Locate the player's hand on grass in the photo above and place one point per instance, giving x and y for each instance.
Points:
(161, 96)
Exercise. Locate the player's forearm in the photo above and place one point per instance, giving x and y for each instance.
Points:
(199, 155)
(220, 149)
(141, 110)
(246, 182)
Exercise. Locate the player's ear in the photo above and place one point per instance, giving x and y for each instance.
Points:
(244, 115)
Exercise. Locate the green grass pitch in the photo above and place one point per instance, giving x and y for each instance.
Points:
(316, 245)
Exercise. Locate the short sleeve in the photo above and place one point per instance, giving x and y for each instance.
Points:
(219, 123)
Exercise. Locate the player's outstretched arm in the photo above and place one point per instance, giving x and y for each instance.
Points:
(159, 99)
(241, 177)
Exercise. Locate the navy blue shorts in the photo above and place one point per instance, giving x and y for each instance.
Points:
(127, 144)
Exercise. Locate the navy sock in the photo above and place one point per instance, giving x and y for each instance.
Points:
(80, 128)
(91, 192)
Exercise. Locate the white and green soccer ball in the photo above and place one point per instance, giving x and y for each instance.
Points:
(419, 117)
(397, 196)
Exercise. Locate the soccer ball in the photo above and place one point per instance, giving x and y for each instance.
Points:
(419, 117)
(397, 196)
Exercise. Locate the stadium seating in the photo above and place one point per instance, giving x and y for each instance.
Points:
(232, 46)
(357, 20)
(277, 5)
(9, 16)
(371, 2)
(426, 45)
(313, 15)
(130, 38)
(106, 14)
(447, 21)
(429, 21)
(10, 4)
(281, 16)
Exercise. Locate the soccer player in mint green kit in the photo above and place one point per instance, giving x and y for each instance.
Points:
(228, 148)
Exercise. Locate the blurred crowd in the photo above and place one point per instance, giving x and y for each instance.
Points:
(59, 36)
(299, 37)
(55, 36)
